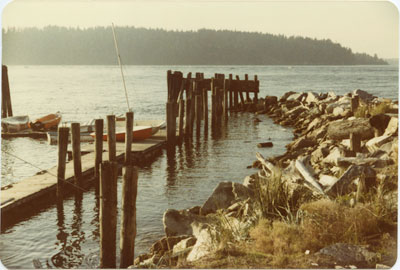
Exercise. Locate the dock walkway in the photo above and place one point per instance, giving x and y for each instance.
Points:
(25, 192)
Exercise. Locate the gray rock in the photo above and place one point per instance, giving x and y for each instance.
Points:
(363, 95)
(312, 97)
(301, 143)
(286, 95)
(348, 254)
(183, 246)
(224, 195)
(392, 126)
(343, 184)
(181, 222)
(341, 129)
(375, 143)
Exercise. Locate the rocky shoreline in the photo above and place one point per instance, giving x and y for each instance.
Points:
(343, 156)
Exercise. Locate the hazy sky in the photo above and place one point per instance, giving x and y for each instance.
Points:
(363, 26)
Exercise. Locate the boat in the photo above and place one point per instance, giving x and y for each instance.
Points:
(48, 122)
(139, 133)
(52, 137)
(15, 123)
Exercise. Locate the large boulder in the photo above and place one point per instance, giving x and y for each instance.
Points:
(348, 254)
(181, 222)
(341, 129)
(379, 122)
(363, 95)
(224, 195)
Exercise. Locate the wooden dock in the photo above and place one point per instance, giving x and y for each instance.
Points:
(21, 196)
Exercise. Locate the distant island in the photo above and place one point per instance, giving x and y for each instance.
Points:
(55, 45)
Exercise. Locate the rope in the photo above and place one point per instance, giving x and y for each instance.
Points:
(45, 171)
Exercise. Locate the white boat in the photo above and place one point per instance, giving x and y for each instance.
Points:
(15, 123)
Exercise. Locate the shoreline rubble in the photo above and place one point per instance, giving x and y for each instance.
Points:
(339, 148)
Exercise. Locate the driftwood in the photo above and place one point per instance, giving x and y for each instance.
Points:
(267, 166)
(308, 176)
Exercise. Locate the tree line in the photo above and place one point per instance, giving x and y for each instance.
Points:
(54, 45)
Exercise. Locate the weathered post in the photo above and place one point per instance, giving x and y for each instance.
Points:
(99, 126)
(240, 93)
(198, 113)
(108, 214)
(205, 109)
(111, 138)
(188, 123)
(193, 107)
(354, 103)
(235, 94)
(213, 103)
(63, 133)
(181, 117)
(171, 123)
(128, 216)
(246, 78)
(257, 82)
(230, 92)
(355, 143)
(76, 152)
(128, 137)
(6, 96)
(225, 103)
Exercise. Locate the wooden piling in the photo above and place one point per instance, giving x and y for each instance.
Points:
(128, 217)
(63, 133)
(205, 109)
(6, 96)
(188, 122)
(171, 123)
(99, 127)
(76, 152)
(235, 86)
(230, 92)
(198, 112)
(225, 100)
(355, 142)
(108, 214)
(257, 89)
(246, 78)
(193, 107)
(111, 138)
(181, 117)
(354, 103)
(213, 103)
(128, 137)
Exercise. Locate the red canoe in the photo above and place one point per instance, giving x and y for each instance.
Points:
(139, 133)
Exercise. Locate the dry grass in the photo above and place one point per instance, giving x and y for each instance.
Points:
(327, 222)
(367, 110)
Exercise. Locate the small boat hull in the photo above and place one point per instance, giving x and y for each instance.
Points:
(47, 122)
(139, 133)
(15, 123)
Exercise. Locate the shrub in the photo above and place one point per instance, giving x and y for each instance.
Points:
(327, 222)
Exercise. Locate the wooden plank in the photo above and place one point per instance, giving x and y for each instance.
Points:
(24, 192)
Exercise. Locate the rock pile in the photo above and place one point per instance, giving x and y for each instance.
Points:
(342, 146)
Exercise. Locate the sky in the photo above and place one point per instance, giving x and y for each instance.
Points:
(364, 26)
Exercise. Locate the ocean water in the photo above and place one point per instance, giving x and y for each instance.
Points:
(69, 237)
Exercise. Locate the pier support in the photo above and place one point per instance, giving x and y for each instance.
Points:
(108, 214)
(128, 137)
(99, 126)
(63, 133)
(128, 217)
(76, 152)
(111, 138)
(171, 123)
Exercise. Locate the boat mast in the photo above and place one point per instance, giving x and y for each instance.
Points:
(120, 66)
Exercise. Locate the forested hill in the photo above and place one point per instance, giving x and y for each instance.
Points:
(64, 46)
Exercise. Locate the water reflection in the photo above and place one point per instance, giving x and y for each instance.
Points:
(70, 253)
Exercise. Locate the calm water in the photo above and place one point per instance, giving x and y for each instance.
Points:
(68, 237)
